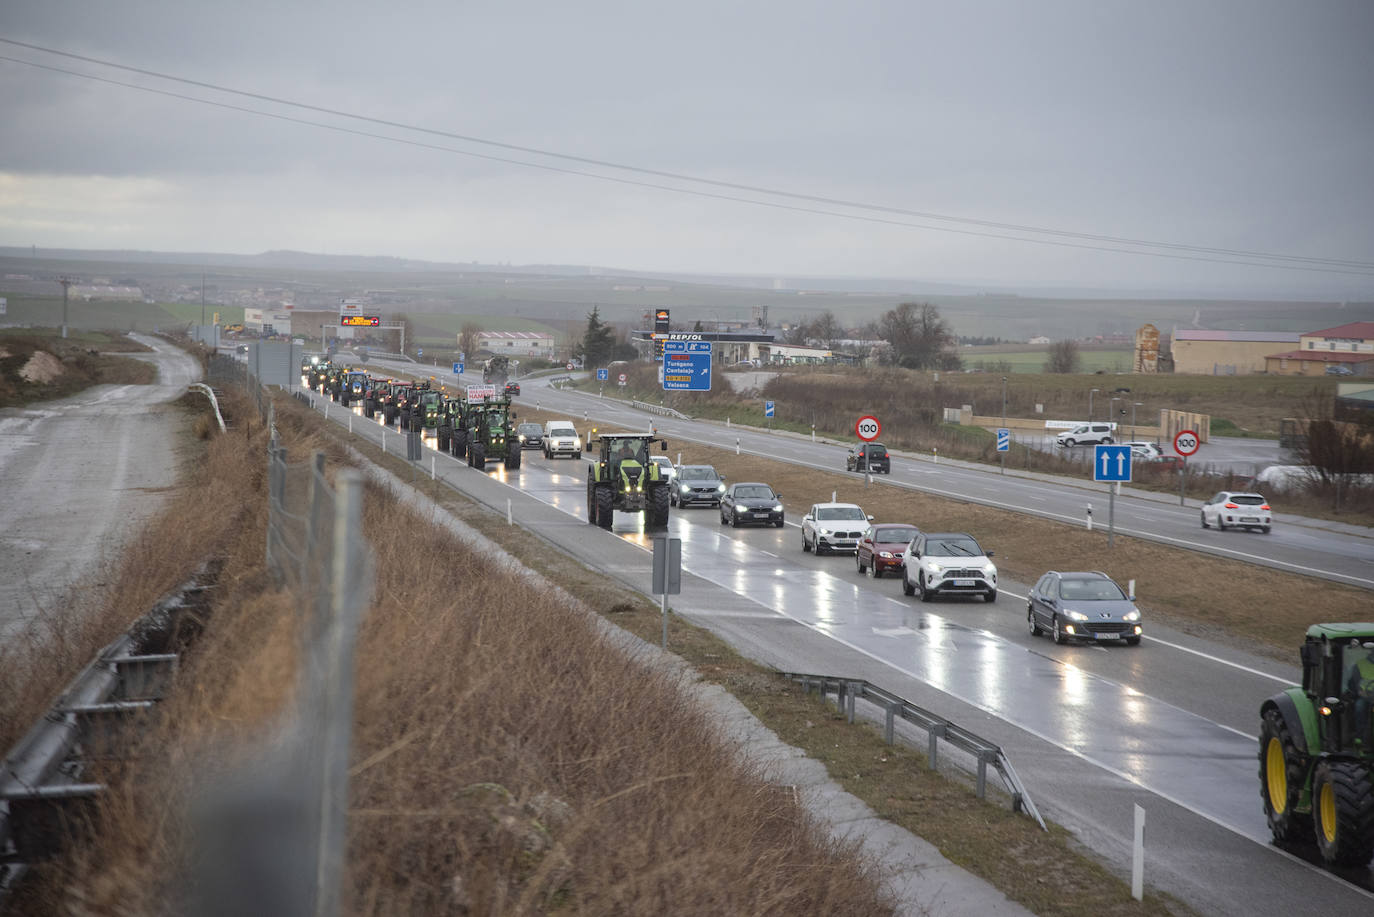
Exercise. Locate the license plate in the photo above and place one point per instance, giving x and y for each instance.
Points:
(1106, 636)
(963, 582)
(1249, 519)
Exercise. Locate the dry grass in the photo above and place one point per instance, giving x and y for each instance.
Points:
(82, 363)
(507, 757)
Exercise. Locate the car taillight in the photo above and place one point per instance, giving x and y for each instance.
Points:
(885, 455)
(1265, 507)
(1232, 506)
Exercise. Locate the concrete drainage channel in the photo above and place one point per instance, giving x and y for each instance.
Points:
(45, 792)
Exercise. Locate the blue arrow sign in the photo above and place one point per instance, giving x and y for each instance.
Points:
(768, 409)
(603, 374)
(1112, 463)
(688, 372)
(457, 369)
(1003, 439)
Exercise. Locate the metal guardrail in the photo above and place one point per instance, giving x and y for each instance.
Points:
(659, 409)
(43, 792)
(849, 690)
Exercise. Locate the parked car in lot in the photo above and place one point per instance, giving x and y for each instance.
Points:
(697, 484)
(1082, 606)
(948, 563)
(1142, 451)
(1166, 462)
(1228, 508)
(1087, 434)
(833, 527)
(744, 503)
(880, 549)
(868, 457)
(1339, 369)
(531, 436)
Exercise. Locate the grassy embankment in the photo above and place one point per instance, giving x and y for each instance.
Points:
(64, 367)
(508, 757)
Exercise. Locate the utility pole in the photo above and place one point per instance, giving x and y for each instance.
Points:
(202, 298)
(66, 282)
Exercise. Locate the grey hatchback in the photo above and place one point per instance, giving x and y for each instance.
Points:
(1082, 606)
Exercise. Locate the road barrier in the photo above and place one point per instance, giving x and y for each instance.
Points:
(848, 691)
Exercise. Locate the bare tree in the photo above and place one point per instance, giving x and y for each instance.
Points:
(919, 337)
(467, 339)
(1063, 357)
(826, 330)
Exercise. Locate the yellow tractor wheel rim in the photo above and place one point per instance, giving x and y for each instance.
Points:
(1276, 776)
(1327, 808)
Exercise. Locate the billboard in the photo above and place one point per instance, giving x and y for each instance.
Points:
(360, 321)
(660, 321)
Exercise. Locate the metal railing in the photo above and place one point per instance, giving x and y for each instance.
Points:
(848, 691)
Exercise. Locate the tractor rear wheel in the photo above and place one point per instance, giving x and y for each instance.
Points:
(1343, 811)
(444, 437)
(1282, 770)
(512, 456)
(459, 444)
(477, 456)
(605, 505)
(656, 515)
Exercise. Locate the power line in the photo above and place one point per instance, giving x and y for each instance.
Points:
(1168, 249)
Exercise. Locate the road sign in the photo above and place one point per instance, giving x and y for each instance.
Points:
(1112, 463)
(867, 428)
(603, 374)
(457, 369)
(622, 378)
(1003, 439)
(419, 352)
(1186, 442)
(688, 372)
(570, 366)
(686, 346)
(768, 409)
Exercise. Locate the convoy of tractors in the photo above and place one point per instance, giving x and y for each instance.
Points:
(479, 426)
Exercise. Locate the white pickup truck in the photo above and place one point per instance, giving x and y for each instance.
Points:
(560, 438)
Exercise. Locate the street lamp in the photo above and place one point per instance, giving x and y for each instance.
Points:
(1111, 408)
(1134, 405)
(1004, 401)
(1091, 392)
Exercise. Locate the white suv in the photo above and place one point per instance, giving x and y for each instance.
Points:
(560, 438)
(1229, 508)
(1087, 434)
(830, 527)
(948, 563)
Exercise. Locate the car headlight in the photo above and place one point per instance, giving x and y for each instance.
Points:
(823, 532)
(990, 570)
(522, 437)
(1132, 615)
(778, 508)
(1075, 615)
(720, 488)
(932, 566)
(684, 488)
(887, 554)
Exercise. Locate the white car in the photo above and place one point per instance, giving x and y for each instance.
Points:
(1229, 508)
(1087, 434)
(1144, 451)
(560, 438)
(828, 527)
(666, 471)
(948, 563)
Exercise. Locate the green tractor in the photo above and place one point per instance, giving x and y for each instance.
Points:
(1316, 754)
(491, 434)
(319, 375)
(622, 478)
(426, 412)
(450, 420)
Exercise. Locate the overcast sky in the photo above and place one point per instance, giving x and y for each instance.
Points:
(1244, 125)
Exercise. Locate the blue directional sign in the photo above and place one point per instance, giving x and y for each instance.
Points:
(768, 409)
(419, 352)
(602, 375)
(457, 369)
(686, 346)
(688, 372)
(1112, 463)
(1003, 439)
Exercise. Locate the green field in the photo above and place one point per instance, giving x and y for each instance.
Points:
(1033, 361)
(118, 315)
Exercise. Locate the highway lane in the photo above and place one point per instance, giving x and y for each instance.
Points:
(1101, 723)
(1310, 547)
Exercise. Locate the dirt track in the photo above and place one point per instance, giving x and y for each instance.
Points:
(77, 474)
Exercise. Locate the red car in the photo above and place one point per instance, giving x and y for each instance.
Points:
(880, 548)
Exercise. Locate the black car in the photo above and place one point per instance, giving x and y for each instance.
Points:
(512, 388)
(868, 457)
(1082, 606)
(752, 502)
(531, 435)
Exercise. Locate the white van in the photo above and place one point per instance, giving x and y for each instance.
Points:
(560, 438)
(1087, 434)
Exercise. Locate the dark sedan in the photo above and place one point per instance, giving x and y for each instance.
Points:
(754, 502)
(531, 436)
(880, 548)
(1082, 606)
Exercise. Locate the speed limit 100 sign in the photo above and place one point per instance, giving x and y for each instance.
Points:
(868, 428)
(1186, 442)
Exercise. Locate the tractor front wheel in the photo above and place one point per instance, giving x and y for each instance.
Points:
(477, 456)
(1282, 770)
(512, 456)
(605, 505)
(657, 514)
(1343, 811)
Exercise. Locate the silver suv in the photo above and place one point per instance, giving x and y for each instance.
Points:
(948, 563)
(830, 527)
(1087, 434)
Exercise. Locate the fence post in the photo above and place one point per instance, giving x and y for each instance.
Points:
(317, 491)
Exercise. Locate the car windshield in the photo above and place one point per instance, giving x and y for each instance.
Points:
(562, 431)
(1247, 499)
(840, 513)
(753, 492)
(894, 534)
(698, 473)
(953, 547)
(1091, 590)
(529, 429)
